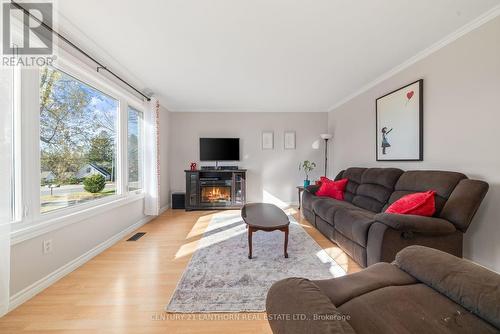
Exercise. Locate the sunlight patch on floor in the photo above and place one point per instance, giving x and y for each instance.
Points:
(186, 249)
(200, 226)
(209, 240)
(341, 258)
(335, 269)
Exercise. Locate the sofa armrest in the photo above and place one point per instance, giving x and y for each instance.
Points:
(463, 203)
(466, 283)
(298, 306)
(312, 189)
(342, 289)
(417, 224)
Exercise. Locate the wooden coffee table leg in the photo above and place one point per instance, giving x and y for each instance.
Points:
(286, 242)
(250, 232)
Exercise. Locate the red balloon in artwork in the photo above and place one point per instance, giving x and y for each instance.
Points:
(410, 94)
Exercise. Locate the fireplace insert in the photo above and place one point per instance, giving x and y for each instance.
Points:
(216, 194)
(215, 189)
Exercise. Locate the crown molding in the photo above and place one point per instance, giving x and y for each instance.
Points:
(474, 24)
(236, 110)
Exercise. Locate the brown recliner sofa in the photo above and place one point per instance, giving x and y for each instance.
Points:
(423, 291)
(362, 229)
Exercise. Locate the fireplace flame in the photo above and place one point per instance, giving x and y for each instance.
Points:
(216, 194)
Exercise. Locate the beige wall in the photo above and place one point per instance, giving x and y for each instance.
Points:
(461, 126)
(271, 173)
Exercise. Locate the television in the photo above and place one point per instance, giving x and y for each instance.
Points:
(219, 149)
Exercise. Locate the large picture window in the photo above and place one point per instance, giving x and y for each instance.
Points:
(78, 134)
(134, 149)
(6, 144)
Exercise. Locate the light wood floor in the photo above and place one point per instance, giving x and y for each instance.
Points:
(125, 288)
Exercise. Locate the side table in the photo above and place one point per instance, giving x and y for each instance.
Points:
(300, 189)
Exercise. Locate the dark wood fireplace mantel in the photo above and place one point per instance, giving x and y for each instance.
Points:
(215, 189)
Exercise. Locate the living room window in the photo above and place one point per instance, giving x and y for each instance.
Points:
(78, 142)
(7, 144)
(134, 149)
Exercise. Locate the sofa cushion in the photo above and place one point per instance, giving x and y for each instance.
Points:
(308, 199)
(326, 228)
(377, 185)
(325, 207)
(351, 248)
(443, 183)
(354, 224)
(377, 276)
(413, 308)
(354, 175)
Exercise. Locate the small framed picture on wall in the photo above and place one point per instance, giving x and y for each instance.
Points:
(289, 140)
(267, 140)
(399, 124)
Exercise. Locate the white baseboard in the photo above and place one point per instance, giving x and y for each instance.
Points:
(37, 287)
(164, 208)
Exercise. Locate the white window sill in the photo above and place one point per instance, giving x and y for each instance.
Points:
(24, 231)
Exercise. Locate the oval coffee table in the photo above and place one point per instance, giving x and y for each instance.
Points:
(264, 217)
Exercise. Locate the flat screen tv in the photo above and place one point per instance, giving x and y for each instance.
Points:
(219, 149)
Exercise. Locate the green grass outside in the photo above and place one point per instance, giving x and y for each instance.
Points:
(79, 197)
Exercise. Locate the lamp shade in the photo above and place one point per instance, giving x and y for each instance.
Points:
(326, 136)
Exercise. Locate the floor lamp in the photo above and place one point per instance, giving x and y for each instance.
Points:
(326, 137)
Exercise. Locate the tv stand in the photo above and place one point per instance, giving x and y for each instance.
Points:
(209, 189)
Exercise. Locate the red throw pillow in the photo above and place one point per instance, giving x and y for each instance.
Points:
(420, 204)
(333, 189)
(324, 179)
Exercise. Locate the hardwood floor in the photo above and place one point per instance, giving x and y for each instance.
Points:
(125, 288)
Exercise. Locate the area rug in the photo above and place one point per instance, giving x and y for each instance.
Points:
(221, 278)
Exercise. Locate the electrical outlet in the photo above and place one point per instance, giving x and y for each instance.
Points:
(47, 246)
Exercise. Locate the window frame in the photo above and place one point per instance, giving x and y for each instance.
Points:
(110, 198)
(12, 143)
(29, 221)
(141, 154)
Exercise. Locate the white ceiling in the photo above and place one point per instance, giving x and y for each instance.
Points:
(262, 55)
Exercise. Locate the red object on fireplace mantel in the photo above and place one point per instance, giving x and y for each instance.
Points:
(193, 166)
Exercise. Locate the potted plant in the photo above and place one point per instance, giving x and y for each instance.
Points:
(307, 166)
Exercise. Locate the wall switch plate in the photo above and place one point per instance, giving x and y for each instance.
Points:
(47, 246)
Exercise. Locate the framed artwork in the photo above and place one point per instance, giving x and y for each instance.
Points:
(267, 140)
(399, 121)
(289, 140)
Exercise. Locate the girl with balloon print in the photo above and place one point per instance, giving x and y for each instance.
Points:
(385, 141)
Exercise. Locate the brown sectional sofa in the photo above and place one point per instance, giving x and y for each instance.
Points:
(423, 291)
(362, 229)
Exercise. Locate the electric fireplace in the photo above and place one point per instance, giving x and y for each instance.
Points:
(215, 194)
(215, 189)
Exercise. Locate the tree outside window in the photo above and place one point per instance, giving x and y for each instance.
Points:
(134, 151)
(77, 140)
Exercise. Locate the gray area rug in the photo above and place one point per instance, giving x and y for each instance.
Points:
(221, 278)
